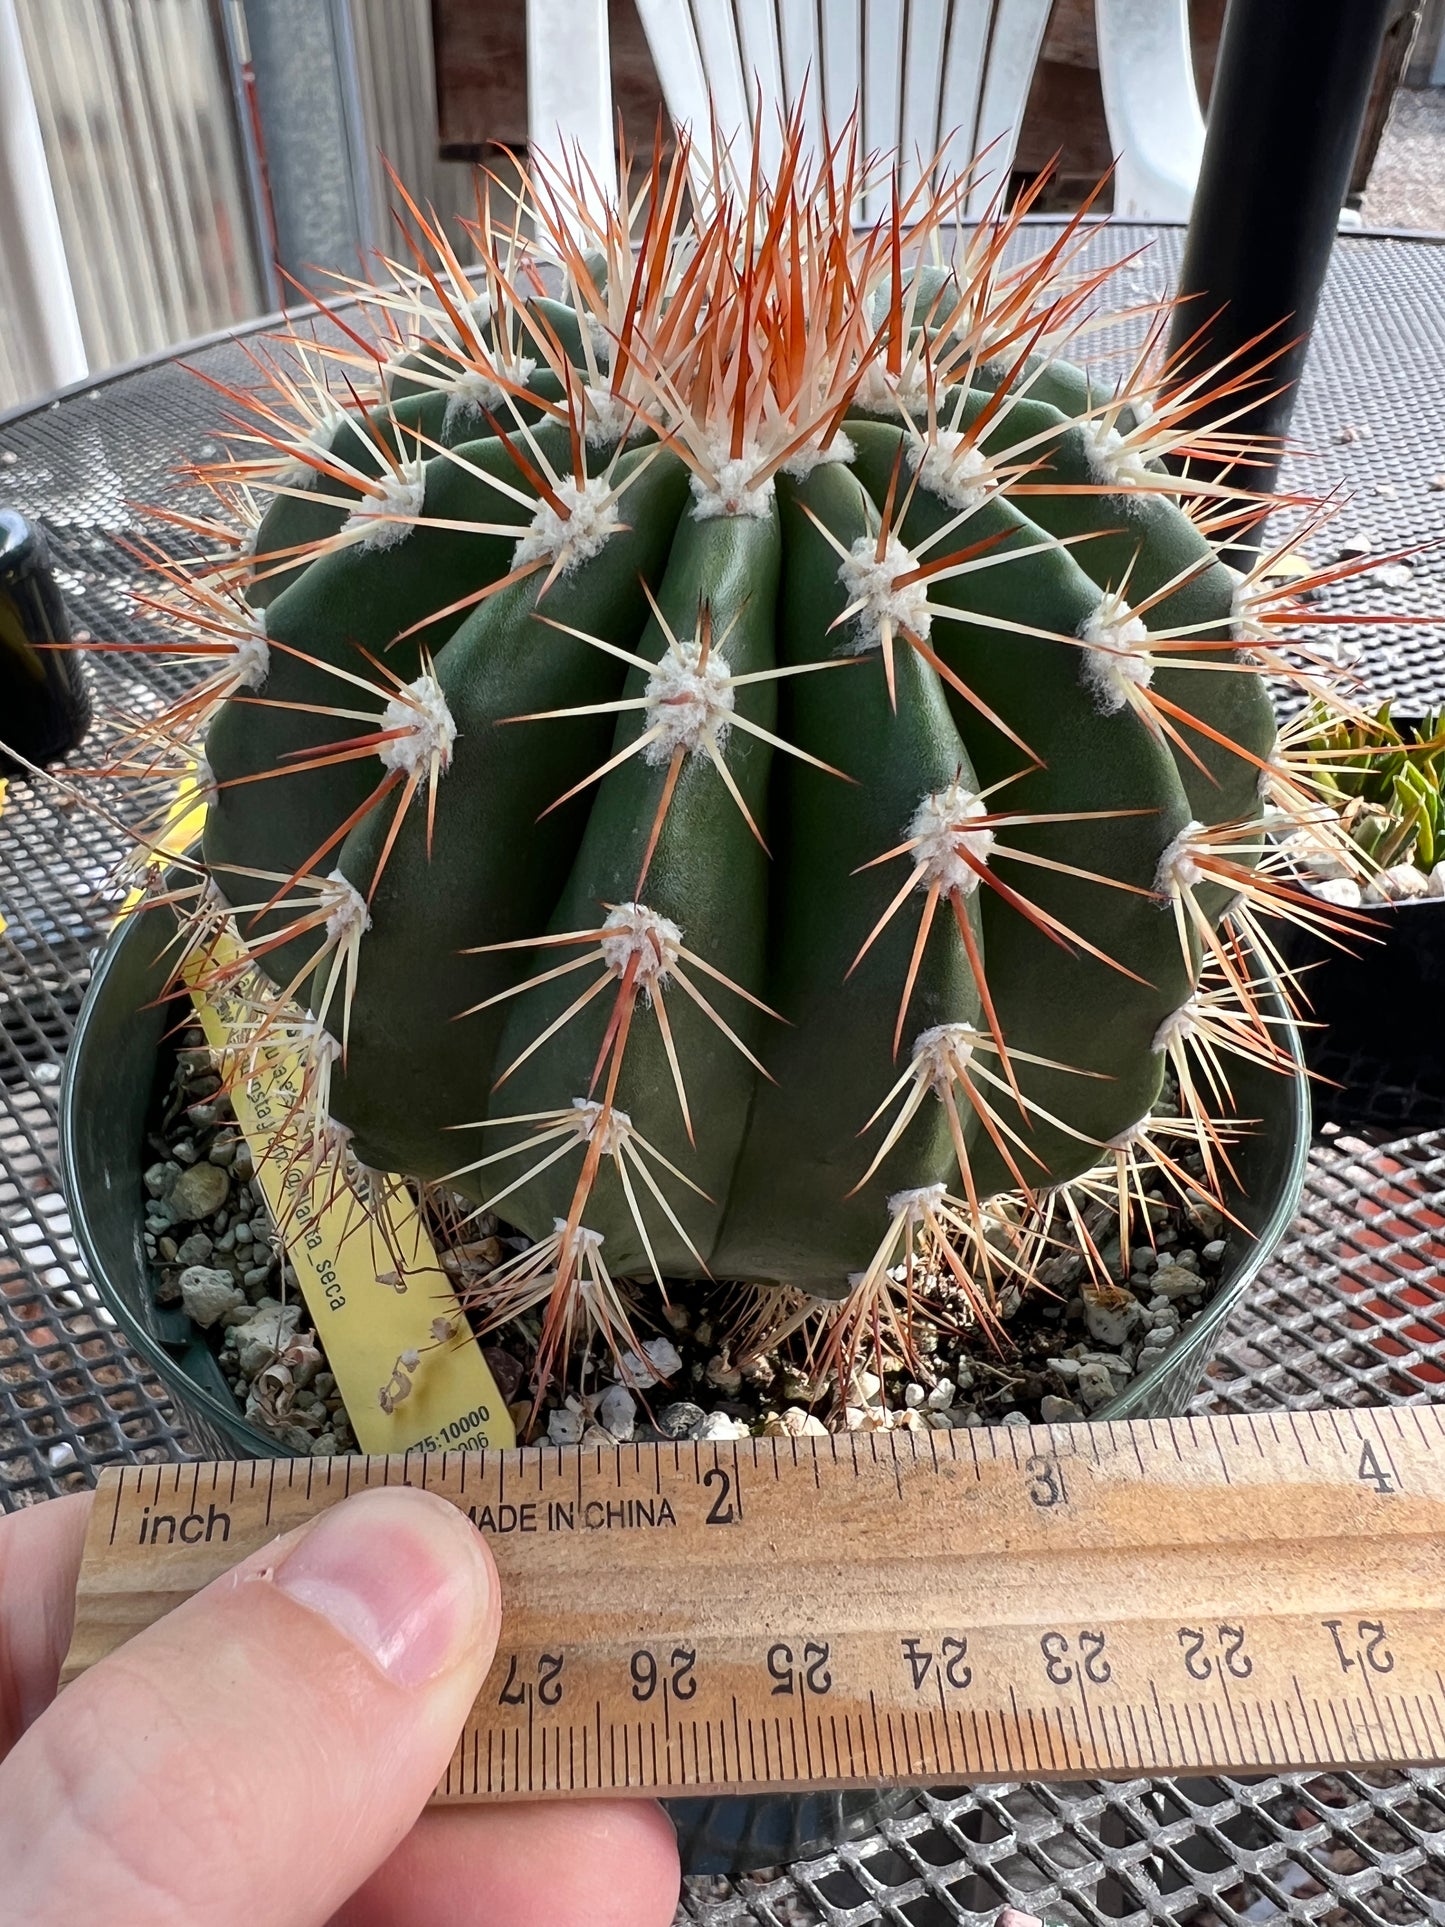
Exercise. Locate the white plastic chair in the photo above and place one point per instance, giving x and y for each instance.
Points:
(959, 84)
(1150, 103)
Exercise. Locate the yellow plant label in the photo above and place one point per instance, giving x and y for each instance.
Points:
(370, 1277)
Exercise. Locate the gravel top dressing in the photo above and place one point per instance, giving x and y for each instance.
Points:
(1058, 1350)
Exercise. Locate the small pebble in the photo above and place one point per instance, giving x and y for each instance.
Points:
(1096, 1386)
(659, 1359)
(717, 1425)
(1059, 1411)
(268, 1331)
(1016, 1418)
(941, 1397)
(794, 1423)
(199, 1191)
(1113, 1324)
(506, 1370)
(1213, 1252)
(725, 1375)
(160, 1177)
(676, 1421)
(617, 1411)
(1342, 891)
(208, 1294)
(60, 1455)
(564, 1427)
(913, 1395)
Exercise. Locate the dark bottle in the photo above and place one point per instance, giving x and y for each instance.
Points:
(44, 701)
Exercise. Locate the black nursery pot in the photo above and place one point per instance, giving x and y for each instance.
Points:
(114, 1066)
(1374, 1036)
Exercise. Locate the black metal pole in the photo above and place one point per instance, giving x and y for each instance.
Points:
(1291, 88)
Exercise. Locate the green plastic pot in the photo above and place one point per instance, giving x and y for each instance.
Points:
(107, 1100)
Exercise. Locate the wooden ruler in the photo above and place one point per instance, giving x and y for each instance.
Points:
(1140, 1598)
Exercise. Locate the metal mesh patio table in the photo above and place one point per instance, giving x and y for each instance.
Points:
(1352, 1310)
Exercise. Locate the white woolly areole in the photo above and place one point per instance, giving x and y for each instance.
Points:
(583, 1243)
(402, 493)
(942, 836)
(632, 930)
(954, 469)
(871, 583)
(1126, 1140)
(472, 393)
(297, 472)
(334, 1138)
(609, 418)
(881, 393)
(1243, 626)
(1179, 867)
(688, 700)
(571, 539)
(729, 490)
(348, 916)
(252, 664)
(1112, 460)
(1273, 779)
(479, 309)
(815, 455)
(421, 710)
(591, 1120)
(316, 1044)
(601, 339)
(1116, 653)
(942, 1053)
(205, 782)
(915, 1204)
(1178, 1027)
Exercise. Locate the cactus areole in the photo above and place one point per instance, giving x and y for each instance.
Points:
(740, 760)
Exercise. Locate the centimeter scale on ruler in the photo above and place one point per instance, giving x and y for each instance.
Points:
(1128, 1599)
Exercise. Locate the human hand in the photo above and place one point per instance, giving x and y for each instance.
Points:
(261, 1756)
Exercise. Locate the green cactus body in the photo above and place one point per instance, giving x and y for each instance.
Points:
(729, 843)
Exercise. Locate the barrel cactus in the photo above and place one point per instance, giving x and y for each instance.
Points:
(751, 763)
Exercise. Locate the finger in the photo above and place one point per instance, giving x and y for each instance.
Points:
(255, 1755)
(605, 1863)
(39, 1560)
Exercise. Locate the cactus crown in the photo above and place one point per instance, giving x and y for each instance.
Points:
(748, 756)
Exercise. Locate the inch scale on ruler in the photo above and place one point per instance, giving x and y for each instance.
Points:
(1129, 1599)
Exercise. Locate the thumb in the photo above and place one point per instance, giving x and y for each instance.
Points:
(252, 1757)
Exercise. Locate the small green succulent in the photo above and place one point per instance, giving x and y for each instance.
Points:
(1385, 784)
